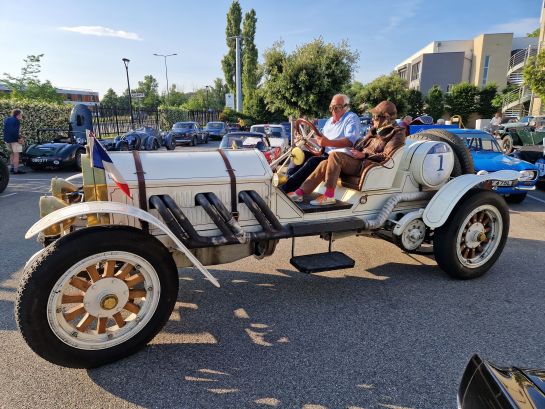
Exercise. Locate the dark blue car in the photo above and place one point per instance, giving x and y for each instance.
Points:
(489, 157)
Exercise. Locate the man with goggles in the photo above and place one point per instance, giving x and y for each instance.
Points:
(341, 132)
(381, 141)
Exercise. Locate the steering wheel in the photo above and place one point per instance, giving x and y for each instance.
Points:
(306, 131)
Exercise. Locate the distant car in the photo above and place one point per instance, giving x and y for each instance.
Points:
(62, 151)
(216, 130)
(250, 140)
(488, 157)
(533, 154)
(188, 133)
(232, 127)
(141, 139)
(276, 133)
(287, 128)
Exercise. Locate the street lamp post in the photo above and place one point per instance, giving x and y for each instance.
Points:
(166, 69)
(207, 104)
(126, 62)
(238, 80)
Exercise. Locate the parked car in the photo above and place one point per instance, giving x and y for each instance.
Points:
(141, 139)
(188, 133)
(250, 140)
(487, 386)
(216, 129)
(533, 154)
(56, 149)
(4, 172)
(488, 157)
(276, 133)
(287, 128)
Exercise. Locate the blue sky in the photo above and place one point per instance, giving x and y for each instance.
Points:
(384, 34)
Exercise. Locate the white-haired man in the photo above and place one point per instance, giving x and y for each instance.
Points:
(340, 132)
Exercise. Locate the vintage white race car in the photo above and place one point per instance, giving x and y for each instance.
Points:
(107, 280)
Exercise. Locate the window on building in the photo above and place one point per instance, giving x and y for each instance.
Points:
(403, 73)
(485, 70)
(415, 71)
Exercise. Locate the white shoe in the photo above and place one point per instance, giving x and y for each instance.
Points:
(295, 197)
(323, 200)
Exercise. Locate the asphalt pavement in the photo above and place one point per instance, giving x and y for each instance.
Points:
(394, 332)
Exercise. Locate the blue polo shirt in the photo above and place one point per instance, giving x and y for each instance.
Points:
(11, 129)
(346, 127)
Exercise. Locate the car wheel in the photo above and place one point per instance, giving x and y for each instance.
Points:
(507, 144)
(206, 139)
(96, 295)
(155, 145)
(474, 235)
(515, 198)
(4, 176)
(123, 147)
(172, 145)
(78, 159)
(194, 141)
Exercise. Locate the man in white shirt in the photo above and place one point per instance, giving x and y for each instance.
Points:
(495, 122)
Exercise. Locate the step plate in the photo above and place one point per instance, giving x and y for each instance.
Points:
(306, 207)
(315, 263)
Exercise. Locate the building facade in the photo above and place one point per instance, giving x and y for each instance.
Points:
(70, 96)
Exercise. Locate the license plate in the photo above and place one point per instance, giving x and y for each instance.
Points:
(39, 160)
(498, 183)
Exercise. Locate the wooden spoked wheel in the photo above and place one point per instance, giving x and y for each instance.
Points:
(306, 130)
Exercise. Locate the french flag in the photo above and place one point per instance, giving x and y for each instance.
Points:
(100, 159)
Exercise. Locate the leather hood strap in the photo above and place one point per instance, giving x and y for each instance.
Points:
(233, 179)
(142, 196)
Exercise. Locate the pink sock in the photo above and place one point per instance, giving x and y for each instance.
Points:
(329, 192)
(300, 192)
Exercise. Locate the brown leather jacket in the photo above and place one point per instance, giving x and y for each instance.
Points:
(380, 145)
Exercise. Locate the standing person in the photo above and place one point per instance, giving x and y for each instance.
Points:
(340, 131)
(405, 124)
(13, 139)
(495, 122)
(381, 141)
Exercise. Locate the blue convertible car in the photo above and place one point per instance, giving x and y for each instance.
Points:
(488, 157)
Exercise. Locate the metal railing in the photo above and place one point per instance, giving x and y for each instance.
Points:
(520, 57)
(515, 97)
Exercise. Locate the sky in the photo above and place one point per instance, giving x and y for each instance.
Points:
(83, 42)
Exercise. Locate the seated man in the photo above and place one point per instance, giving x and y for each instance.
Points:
(340, 131)
(379, 143)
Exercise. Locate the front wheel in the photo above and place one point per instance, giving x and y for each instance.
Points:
(474, 235)
(96, 295)
(507, 144)
(515, 198)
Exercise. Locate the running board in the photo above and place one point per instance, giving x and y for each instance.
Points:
(322, 227)
(315, 263)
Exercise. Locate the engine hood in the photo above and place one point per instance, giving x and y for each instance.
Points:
(46, 149)
(493, 161)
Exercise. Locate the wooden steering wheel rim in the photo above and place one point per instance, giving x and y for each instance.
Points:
(312, 147)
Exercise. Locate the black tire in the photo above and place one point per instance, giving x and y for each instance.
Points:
(4, 175)
(42, 276)
(155, 145)
(194, 141)
(507, 144)
(446, 241)
(461, 152)
(515, 198)
(124, 147)
(172, 145)
(206, 139)
(78, 158)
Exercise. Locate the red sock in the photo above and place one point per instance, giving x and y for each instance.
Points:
(329, 192)
(299, 192)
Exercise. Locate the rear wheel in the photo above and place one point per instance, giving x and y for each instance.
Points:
(155, 145)
(507, 144)
(473, 237)
(515, 198)
(96, 295)
(78, 159)
(194, 141)
(123, 147)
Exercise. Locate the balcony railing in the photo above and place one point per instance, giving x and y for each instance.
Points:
(515, 98)
(520, 57)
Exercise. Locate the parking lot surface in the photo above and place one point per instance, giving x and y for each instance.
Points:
(393, 332)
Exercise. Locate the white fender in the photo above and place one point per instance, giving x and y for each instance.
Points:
(442, 203)
(80, 209)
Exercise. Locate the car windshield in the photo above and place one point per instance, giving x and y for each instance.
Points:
(214, 125)
(182, 125)
(480, 142)
(243, 142)
(271, 131)
(526, 119)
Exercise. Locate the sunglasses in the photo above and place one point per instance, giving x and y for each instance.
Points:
(380, 117)
(337, 107)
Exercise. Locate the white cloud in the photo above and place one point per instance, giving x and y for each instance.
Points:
(102, 32)
(519, 27)
(407, 10)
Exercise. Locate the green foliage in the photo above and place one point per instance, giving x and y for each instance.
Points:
(250, 71)
(36, 115)
(303, 82)
(175, 97)
(387, 87)
(234, 18)
(217, 95)
(353, 91)
(462, 100)
(415, 103)
(28, 86)
(486, 106)
(169, 115)
(534, 74)
(110, 99)
(534, 33)
(435, 102)
(150, 88)
(497, 101)
(196, 102)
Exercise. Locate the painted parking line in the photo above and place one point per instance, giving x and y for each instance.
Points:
(9, 194)
(536, 198)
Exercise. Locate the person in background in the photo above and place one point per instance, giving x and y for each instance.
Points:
(495, 123)
(13, 139)
(340, 132)
(440, 121)
(384, 138)
(405, 123)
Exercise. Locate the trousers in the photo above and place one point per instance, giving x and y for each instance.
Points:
(329, 171)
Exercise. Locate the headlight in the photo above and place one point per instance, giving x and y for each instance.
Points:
(526, 175)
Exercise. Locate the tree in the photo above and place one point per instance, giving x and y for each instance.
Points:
(110, 99)
(462, 100)
(534, 33)
(234, 17)
(534, 74)
(415, 103)
(435, 104)
(197, 101)
(150, 88)
(27, 85)
(353, 91)
(175, 97)
(386, 87)
(250, 72)
(217, 95)
(486, 106)
(303, 82)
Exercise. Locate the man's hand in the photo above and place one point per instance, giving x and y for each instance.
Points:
(357, 154)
